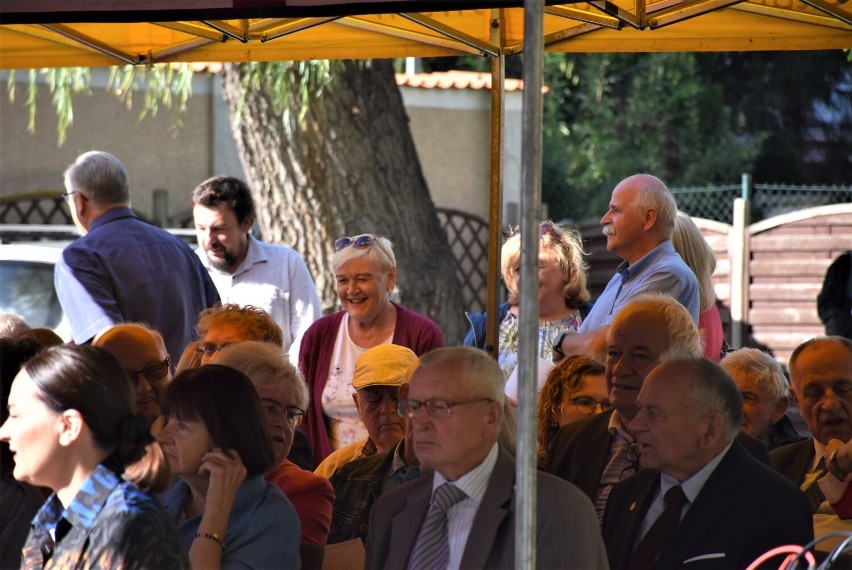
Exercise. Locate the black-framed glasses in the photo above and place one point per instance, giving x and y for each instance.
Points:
(587, 406)
(208, 350)
(277, 410)
(434, 407)
(66, 196)
(359, 242)
(154, 373)
(631, 455)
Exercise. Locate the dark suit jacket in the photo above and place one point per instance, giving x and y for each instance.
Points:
(794, 461)
(567, 535)
(743, 510)
(580, 450)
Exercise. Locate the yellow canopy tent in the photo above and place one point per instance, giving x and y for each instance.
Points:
(63, 33)
(77, 37)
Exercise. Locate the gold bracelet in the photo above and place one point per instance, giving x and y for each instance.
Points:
(214, 537)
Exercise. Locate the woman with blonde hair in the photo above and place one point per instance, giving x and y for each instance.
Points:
(365, 272)
(563, 295)
(698, 255)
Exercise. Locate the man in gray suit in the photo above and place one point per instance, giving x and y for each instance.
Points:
(455, 403)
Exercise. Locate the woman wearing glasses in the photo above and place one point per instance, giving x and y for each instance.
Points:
(219, 448)
(71, 428)
(365, 272)
(574, 389)
(563, 298)
(284, 397)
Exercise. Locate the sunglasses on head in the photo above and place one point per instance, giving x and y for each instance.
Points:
(359, 242)
(544, 228)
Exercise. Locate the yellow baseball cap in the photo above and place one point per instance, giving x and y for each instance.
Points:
(383, 365)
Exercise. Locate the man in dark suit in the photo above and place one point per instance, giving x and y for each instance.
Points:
(455, 405)
(700, 498)
(593, 453)
(821, 372)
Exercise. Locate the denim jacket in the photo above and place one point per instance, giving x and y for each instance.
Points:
(357, 485)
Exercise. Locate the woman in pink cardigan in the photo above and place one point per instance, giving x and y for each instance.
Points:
(365, 272)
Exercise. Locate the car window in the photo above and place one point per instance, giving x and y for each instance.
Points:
(26, 288)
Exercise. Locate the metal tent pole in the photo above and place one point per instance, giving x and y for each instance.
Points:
(525, 478)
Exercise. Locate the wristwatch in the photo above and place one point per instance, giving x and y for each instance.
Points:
(557, 347)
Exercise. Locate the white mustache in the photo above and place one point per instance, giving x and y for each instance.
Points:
(608, 230)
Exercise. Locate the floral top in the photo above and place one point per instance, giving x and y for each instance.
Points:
(507, 356)
(109, 524)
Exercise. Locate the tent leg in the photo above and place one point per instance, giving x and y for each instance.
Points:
(525, 475)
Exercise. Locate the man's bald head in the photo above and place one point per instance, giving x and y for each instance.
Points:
(142, 353)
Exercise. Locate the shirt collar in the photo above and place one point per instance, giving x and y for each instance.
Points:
(692, 486)
(111, 215)
(474, 482)
(86, 505)
(616, 426)
(631, 271)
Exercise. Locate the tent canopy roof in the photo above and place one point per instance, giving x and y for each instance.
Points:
(84, 33)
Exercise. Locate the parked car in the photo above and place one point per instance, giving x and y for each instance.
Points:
(26, 284)
(28, 254)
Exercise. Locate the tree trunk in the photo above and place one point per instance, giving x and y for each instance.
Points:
(348, 168)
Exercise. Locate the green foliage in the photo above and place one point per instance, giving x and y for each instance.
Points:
(616, 114)
(291, 84)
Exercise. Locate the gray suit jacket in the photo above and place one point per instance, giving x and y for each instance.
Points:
(568, 533)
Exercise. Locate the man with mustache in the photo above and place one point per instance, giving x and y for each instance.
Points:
(247, 271)
(638, 224)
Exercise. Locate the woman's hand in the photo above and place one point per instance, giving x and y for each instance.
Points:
(227, 473)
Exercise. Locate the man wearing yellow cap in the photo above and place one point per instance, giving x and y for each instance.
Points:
(379, 372)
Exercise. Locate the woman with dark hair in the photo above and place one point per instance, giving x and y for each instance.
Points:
(218, 446)
(71, 428)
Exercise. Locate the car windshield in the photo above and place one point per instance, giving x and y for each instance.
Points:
(27, 289)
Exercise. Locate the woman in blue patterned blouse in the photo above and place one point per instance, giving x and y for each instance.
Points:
(71, 428)
(219, 447)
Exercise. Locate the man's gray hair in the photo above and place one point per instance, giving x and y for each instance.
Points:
(473, 368)
(654, 195)
(759, 367)
(100, 177)
(267, 366)
(684, 337)
(713, 390)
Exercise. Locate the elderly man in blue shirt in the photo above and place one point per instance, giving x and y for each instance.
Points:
(638, 226)
(124, 269)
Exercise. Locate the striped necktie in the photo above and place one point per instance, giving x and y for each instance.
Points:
(432, 549)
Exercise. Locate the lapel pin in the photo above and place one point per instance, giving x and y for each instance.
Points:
(632, 506)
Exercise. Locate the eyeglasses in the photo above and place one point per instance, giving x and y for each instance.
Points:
(154, 373)
(277, 410)
(67, 195)
(359, 242)
(544, 228)
(631, 455)
(587, 406)
(435, 408)
(208, 350)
